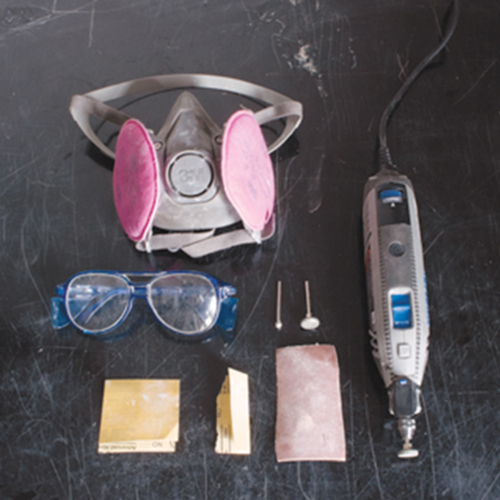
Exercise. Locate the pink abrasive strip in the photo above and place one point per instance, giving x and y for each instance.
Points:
(135, 180)
(247, 170)
(309, 422)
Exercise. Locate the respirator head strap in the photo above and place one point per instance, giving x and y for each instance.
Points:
(280, 106)
(83, 106)
(291, 110)
(228, 240)
(172, 241)
(204, 243)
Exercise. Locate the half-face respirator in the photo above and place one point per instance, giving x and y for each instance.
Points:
(191, 178)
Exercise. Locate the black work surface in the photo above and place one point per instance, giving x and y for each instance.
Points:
(344, 60)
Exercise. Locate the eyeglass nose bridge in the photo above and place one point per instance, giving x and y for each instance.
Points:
(140, 291)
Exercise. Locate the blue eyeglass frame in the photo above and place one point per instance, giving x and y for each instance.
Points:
(226, 303)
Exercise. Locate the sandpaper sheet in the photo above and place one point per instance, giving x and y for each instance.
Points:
(309, 422)
(233, 415)
(139, 416)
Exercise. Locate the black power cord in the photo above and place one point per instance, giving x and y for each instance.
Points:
(384, 158)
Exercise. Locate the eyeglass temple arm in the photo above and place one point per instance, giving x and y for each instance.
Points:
(227, 314)
(58, 313)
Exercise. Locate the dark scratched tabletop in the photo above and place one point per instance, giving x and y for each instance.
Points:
(344, 60)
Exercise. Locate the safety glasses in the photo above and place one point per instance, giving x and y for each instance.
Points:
(187, 303)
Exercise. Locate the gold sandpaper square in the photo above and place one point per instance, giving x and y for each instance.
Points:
(139, 416)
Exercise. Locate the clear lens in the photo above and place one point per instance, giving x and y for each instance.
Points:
(96, 302)
(185, 303)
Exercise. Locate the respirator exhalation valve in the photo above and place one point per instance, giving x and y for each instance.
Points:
(191, 175)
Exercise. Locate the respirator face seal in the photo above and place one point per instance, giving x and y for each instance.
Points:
(191, 178)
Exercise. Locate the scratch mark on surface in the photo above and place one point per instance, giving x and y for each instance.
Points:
(181, 27)
(351, 487)
(68, 474)
(437, 21)
(314, 189)
(274, 38)
(16, 171)
(74, 208)
(291, 188)
(491, 486)
(353, 54)
(372, 450)
(477, 82)
(91, 25)
(431, 447)
(18, 392)
(205, 474)
(51, 16)
(260, 369)
(282, 24)
(453, 424)
(483, 182)
(57, 473)
(44, 382)
(299, 480)
(402, 67)
(28, 270)
(165, 360)
(431, 244)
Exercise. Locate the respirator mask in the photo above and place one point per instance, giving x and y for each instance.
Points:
(191, 179)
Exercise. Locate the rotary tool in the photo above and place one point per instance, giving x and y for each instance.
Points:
(395, 274)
